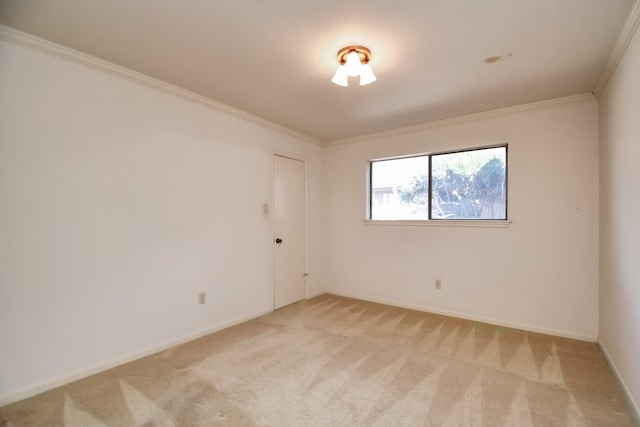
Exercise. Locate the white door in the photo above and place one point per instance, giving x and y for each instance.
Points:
(289, 228)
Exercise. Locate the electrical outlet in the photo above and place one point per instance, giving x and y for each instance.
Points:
(438, 284)
(202, 298)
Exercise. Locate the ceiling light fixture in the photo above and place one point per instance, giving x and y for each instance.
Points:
(354, 61)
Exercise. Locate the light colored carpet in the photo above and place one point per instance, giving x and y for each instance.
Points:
(333, 361)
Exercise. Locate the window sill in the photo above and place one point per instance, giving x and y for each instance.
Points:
(481, 223)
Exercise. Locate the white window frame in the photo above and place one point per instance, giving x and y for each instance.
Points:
(439, 222)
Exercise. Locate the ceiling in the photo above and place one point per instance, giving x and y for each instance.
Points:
(434, 59)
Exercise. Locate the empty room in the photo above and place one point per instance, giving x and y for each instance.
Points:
(331, 213)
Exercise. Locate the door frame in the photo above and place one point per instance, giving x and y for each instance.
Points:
(273, 223)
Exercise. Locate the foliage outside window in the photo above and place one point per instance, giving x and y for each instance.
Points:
(462, 185)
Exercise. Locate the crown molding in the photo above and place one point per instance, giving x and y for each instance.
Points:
(36, 43)
(573, 99)
(54, 49)
(619, 49)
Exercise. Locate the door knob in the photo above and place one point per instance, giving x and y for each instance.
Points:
(278, 240)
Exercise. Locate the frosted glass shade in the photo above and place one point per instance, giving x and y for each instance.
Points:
(341, 78)
(366, 75)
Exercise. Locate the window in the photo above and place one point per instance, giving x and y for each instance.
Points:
(461, 185)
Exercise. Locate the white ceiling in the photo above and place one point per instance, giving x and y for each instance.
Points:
(275, 58)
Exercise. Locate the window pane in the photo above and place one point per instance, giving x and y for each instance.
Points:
(399, 189)
(470, 185)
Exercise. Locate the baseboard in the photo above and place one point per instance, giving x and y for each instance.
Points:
(315, 294)
(465, 316)
(625, 390)
(27, 392)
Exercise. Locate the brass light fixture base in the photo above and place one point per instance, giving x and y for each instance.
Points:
(363, 53)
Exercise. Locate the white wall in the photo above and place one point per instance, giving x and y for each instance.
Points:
(619, 220)
(541, 273)
(119, 203)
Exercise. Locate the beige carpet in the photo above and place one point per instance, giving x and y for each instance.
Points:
(333, 361)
